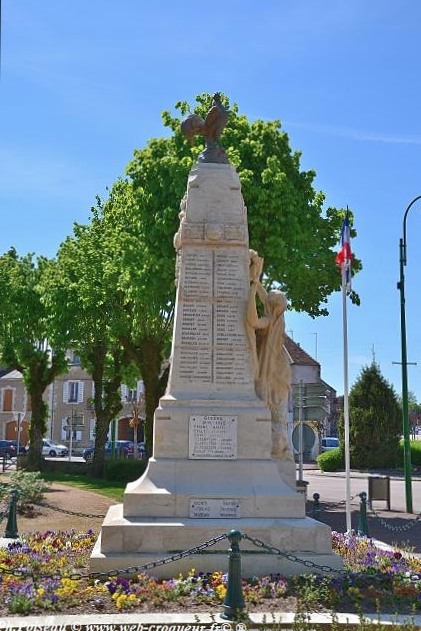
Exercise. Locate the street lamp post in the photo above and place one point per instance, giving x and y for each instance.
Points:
(405, 420)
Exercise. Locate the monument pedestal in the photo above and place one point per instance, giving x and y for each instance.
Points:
(212, 468)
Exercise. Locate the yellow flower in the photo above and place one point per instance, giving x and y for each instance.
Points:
(119, 603)
(221, 590)
(40, 591)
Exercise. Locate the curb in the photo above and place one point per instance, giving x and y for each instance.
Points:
(199, 622)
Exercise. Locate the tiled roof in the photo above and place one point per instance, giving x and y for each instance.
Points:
(10, 373)
(297, 354)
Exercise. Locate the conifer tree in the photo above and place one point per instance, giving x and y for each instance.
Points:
(375, 421)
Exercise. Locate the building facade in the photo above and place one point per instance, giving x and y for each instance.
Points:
(316, 398)
(71, 417)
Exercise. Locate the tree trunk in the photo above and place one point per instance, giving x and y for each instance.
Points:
(150, 362)
(96, 470)
(37, 428)
(107, 404)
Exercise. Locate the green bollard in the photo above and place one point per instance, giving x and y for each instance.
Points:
(316, 506)
(362, 520)
(234, 604)
(12, 525)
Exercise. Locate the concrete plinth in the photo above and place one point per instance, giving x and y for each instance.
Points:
(127, 542)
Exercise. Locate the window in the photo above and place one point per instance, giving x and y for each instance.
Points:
(132, 394)
(66, 429)
(73, 392)
(7, 400)
(76, 359)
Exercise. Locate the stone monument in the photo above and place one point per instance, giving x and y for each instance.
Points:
(221, 460)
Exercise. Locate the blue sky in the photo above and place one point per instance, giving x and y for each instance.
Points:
(83, 84)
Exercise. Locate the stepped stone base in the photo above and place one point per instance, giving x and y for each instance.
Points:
(134, 541)
(169, 486)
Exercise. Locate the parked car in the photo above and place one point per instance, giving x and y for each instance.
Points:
(122, 448)
(7, 448)
(52, 448)
(22, 448)
(141, 449)
(329, 443)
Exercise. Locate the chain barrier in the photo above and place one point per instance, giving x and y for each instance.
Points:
(291, 557)
(128, 570)
(373, 513)
(23, 573)
(391, 527)
(329, 505)
(67, 512)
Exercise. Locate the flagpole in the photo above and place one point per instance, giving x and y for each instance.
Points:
(346, 407)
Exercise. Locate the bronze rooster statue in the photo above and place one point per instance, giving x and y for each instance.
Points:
(211, 128)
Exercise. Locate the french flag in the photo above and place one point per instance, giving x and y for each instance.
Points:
(344, 256)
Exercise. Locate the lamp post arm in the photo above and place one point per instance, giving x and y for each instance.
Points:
(403, 251)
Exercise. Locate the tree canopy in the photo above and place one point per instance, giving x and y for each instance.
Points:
(27, 337)
(375, 421)
(82, 290)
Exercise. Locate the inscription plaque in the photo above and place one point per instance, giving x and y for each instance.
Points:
(212, 346)
(212, 437)
(215, 508)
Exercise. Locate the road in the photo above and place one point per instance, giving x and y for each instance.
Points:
(393, 527)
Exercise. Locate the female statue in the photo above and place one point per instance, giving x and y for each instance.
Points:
(271, 367)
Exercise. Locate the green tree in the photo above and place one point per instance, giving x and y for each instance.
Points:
(375, 421)
(145, 282)
(27, 337)
(84, 295)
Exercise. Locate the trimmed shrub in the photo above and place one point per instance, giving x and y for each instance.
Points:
(332, 460)
(415, 453)
(124, 469)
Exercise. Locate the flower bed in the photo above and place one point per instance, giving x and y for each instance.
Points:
(38, 574)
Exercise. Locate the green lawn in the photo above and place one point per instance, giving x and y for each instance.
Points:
(109, 488)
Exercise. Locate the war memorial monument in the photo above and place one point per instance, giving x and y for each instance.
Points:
(221, 457)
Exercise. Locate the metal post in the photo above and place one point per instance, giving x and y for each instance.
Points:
(300, 432)
(405, 424)
(234, 604)
(362, 519)
(316, 506)
(71, 436)
(12, 526)
(18, 438)
(405, 420)
(113, 433)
